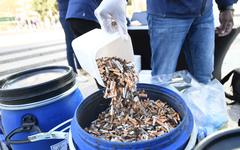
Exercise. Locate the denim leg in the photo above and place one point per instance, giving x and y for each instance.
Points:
(199, 47)
(68, 38)
(166, 38)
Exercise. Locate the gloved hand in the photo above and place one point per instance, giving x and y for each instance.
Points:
(111, 15)
(226, 20)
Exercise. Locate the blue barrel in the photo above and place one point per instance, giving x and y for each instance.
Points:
(228, 139)
(36, 101)
(95, 104)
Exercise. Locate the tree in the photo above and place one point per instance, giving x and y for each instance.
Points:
(45, 8)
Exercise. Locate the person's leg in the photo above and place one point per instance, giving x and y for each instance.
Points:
(199, 47)
(68, 38)
(81, 26)
(166, 38)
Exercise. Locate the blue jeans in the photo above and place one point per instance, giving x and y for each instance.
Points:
(195, 35)
(71, 58)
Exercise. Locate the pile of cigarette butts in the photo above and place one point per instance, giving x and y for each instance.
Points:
(132, 116)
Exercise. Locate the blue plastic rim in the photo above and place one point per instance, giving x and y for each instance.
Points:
(95, 104)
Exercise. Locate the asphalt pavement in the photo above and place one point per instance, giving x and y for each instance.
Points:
(30, 49)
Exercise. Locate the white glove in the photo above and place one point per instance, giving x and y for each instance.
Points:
(111, 15)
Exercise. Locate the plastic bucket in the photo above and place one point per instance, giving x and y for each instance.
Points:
(95, 104)
(225, 140)
(98, 43)
(35, 101)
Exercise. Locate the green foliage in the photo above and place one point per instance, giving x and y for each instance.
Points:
(129, 2)
(45, 8)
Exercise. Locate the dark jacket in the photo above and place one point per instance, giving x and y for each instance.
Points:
(184, 8)
(62, 7)
(82, 9)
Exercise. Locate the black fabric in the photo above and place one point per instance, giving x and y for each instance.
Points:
(235, 84)
(81, 26)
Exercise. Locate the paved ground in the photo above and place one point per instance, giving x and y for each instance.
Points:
(29, 49)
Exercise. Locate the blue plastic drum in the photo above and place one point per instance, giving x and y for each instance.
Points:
(228, 139)
(35, 101)
(89, 110)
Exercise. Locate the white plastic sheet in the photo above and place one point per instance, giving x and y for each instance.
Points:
(207, 103)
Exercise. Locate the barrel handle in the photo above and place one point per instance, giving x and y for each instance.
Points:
(52, 134)
(29, 124)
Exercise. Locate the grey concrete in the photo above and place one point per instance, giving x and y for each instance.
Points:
(26, 50)
(25, 53)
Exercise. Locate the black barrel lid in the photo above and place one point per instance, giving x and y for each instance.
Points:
(223, 140)
(36, 84)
